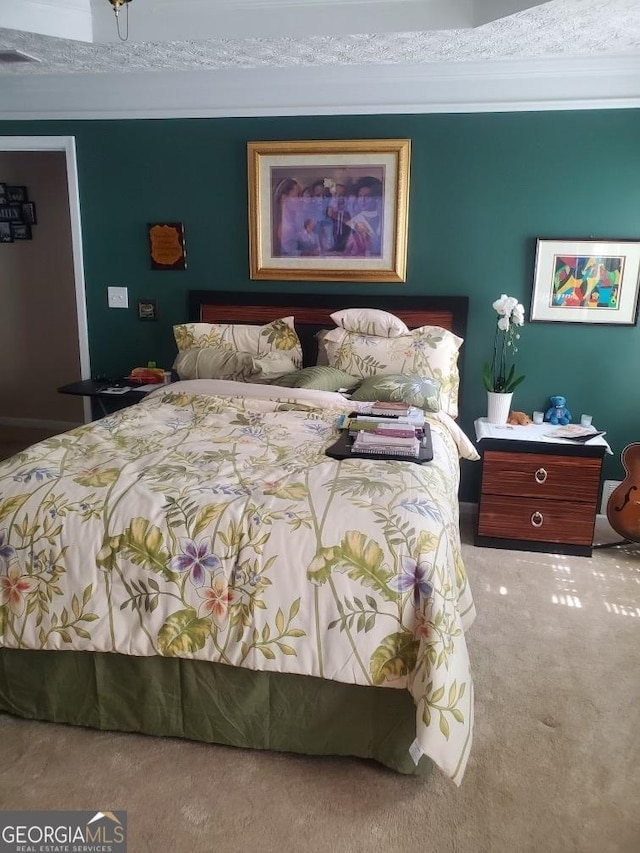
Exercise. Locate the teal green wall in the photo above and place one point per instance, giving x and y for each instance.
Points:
(483, 187)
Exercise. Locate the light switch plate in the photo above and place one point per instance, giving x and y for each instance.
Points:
(118, 297)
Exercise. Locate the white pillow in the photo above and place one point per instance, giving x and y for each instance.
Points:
(370, 321)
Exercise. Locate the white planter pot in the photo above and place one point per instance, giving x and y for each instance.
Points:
(498, 407)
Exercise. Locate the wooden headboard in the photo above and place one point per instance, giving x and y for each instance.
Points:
(312, 311)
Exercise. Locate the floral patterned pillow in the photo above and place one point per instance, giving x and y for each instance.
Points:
(213, 363)
(234, 337)
(272, 366)
(428, 351)
(415, 390)
(216, 363)
(320, 377)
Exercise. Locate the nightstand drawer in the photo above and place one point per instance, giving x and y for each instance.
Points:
(536, 519)
(541, 476)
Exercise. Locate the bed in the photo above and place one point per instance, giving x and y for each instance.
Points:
(196, 566)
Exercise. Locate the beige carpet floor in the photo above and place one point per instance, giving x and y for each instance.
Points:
(555, 765)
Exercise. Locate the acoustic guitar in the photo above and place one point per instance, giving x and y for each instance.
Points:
(623, 506)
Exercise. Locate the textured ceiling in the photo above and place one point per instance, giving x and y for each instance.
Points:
(562, 28)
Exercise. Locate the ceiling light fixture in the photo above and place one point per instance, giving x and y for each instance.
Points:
(116, 8)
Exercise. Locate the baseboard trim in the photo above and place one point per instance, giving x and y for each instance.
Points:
(38, 423)
(604, 528)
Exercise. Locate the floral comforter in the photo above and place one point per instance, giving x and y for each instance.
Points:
(214, 527)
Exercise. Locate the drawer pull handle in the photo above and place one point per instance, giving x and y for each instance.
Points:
(536, 519)
(540, 475)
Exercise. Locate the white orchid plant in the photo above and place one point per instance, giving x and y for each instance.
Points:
(498, 376)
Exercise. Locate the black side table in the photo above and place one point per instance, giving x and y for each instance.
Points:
(103, 403)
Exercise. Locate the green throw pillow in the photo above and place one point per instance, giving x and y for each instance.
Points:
(415, 390)
(320, 378)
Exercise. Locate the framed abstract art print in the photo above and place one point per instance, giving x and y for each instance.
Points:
(586, 281)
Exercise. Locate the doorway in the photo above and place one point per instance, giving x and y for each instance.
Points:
(43, 325)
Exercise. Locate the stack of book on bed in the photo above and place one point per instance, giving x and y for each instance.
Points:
(392, 437)
(404, 437)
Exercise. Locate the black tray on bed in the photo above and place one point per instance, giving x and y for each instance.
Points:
(343, 449)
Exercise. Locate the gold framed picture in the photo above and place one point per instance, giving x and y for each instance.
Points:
(331, 210)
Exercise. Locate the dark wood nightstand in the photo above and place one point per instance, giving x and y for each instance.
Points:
(103, 403)
(538, 495)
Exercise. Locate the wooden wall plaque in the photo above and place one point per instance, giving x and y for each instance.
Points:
(166, 243)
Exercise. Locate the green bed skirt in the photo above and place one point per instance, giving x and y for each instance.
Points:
(211, 702)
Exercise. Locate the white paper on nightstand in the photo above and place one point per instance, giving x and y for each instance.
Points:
(530, 432)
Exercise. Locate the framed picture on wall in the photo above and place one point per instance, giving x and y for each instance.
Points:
(10, 213)
(5, 232)
(147, 309)
(20, 231)
(17, 194)
(28, 212)
(586, 281)
(166, 246)
(332, 210)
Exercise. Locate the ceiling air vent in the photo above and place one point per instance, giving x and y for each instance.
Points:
(9, 57)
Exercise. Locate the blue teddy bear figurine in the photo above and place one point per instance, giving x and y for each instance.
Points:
(557, 413)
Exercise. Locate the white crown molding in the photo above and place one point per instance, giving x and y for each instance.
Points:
(498, 86)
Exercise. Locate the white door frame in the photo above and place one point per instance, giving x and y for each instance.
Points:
(68, 145)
